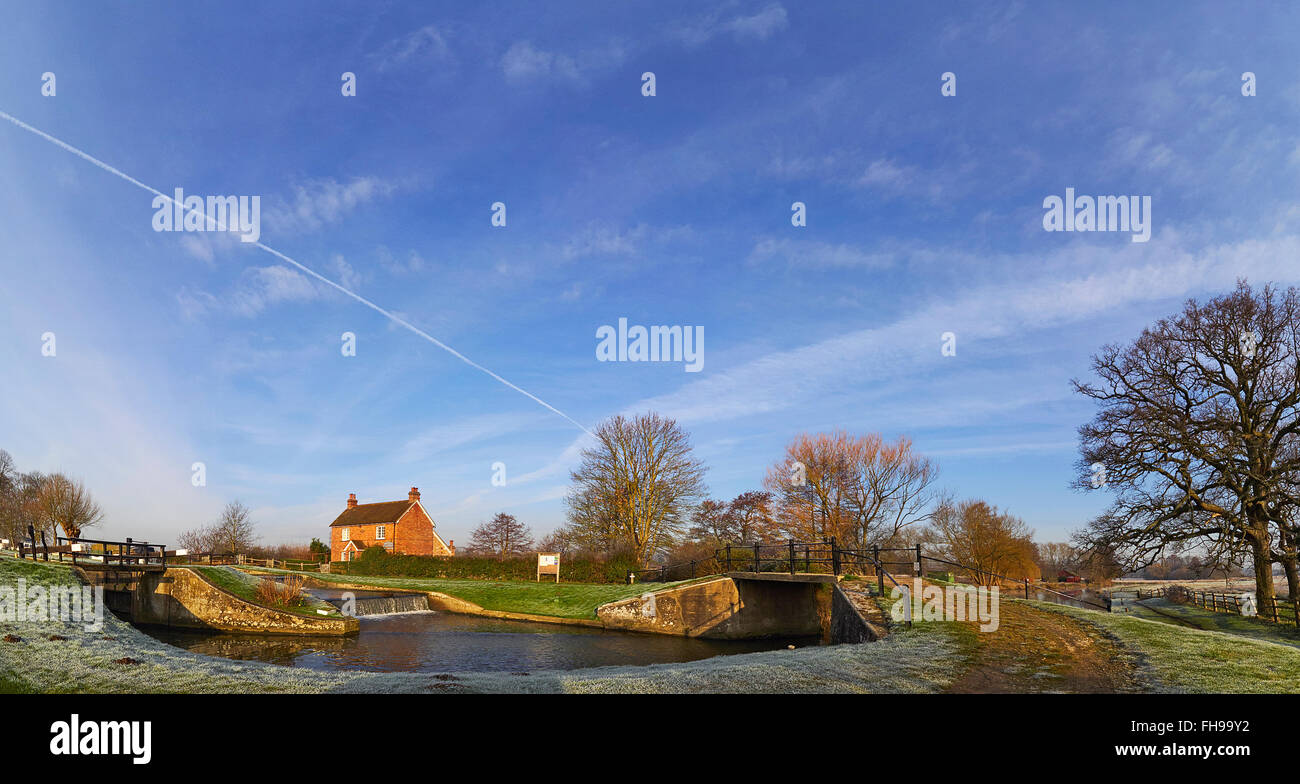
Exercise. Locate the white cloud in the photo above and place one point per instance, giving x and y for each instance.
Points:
(817, 254)
(414, 262)
(754, 27)
(322, 201)
(888, 354)
(759, 26)
(347, 277)
(523, 63)
(428, 44)
(195, 303)
(262, 287)
(885, 173)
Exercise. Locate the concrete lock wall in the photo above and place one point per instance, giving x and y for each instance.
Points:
(183, 598)
(744, 607)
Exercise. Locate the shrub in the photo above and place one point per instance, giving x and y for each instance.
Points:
(284, 593)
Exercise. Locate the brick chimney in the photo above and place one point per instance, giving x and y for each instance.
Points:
(352, 500)
(414, 495)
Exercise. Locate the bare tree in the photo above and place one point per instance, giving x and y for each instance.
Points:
(502, 536)
(67, 504)
(1196, 434)
(233, 532)
(862, 490)
(1056, 557)
(634, 488)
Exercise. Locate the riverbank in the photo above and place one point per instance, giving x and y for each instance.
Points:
(545, 599)
(1174, 658)
(53, 657)
(1030, 654)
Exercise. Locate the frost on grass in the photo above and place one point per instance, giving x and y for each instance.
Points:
(1179, 659)
(86, 662)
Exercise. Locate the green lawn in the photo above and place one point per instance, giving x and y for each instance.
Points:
(1180, 659)
(1233, 623)
(563, 600)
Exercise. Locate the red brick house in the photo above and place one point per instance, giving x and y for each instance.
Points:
(397, 526)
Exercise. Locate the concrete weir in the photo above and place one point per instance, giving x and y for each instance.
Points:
(179, 597)
(745, 605)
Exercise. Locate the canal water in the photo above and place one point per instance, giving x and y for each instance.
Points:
(426, 641)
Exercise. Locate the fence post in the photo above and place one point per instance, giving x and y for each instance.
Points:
(46, 547)
(835, 557)
(880, 572)
(728, 556)
(919, 570)
(791, 556)
(756, 566)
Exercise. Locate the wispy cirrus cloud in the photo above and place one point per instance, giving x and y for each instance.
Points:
(758, 26)
(425, 45)
(809, 253)
(318, 202)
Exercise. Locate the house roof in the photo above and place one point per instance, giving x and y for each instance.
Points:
(369, 514)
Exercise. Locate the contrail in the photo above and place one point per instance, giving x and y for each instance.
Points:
(395, 319)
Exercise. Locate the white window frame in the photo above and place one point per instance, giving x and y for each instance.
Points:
(344, 534)
(381, 531)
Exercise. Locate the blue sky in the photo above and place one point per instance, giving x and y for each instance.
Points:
(924, 217)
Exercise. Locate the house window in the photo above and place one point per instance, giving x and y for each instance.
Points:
(380, 530)
(344, 532)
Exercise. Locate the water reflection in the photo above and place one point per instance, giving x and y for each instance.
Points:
(444, 642)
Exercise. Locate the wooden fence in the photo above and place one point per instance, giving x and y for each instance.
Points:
(1284, 610)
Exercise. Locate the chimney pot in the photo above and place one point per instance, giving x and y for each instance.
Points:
(352, 500)
(414, 494)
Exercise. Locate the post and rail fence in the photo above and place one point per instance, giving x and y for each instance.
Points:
(1284, 610)
(126, 554)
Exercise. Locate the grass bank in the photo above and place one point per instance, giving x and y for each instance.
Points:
(562, 600)
(1186, 615)
(1179, 659)
(245, 587)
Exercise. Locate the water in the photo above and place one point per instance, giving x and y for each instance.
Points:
(363, 603)
(1081, 597)
(445, 642)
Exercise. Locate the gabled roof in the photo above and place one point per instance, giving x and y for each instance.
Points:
(370, 514)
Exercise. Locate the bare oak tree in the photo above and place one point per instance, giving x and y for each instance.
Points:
(635, 487)
(1196, 434)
